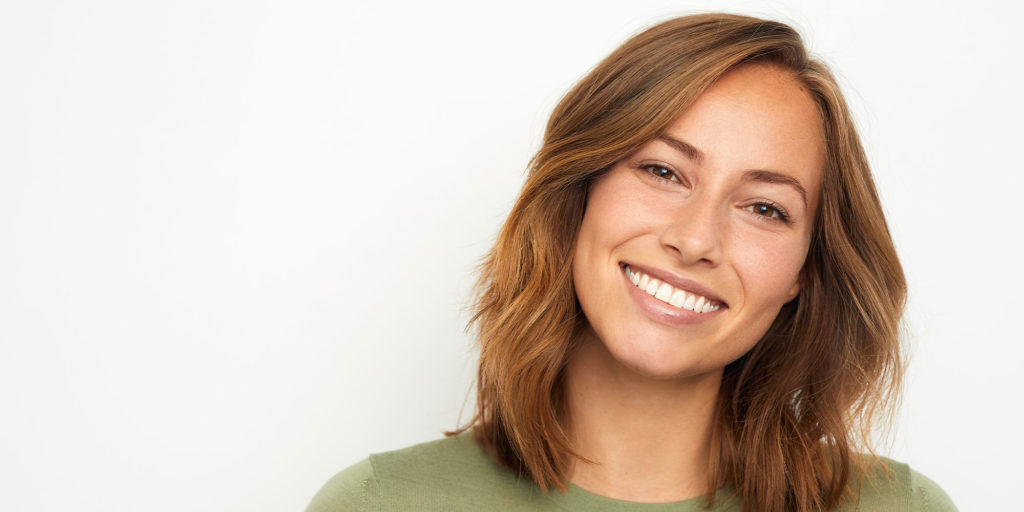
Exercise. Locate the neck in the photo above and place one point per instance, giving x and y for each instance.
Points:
(644, 440)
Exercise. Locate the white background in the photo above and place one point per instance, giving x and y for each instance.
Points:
(237, 237)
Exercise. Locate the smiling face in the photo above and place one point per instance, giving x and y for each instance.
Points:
(690, 246)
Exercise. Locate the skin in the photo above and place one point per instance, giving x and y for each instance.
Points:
(641, 391)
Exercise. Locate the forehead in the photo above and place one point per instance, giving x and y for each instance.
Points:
(757, 116)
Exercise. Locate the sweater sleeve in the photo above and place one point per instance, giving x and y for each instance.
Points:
(927, 496)
(352, 490)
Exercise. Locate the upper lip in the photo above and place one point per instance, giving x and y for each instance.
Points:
(676, 281)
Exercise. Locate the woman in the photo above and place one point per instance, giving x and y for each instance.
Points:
(693, 304)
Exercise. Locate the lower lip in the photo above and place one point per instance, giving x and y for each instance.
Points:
(663, 312)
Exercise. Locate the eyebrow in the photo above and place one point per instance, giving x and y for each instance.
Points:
(777, 178)
(683, 147)
(760, 175)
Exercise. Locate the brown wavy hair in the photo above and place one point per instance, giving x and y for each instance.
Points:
(794, 410)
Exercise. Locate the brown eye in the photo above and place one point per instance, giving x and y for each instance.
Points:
(768, 212)
(765, 210)
(661, 172)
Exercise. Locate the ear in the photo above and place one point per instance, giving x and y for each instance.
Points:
(794, 291)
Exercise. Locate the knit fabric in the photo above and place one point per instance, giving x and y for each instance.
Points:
(455, 475)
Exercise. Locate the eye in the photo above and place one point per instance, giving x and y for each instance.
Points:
(769, 211)
(661, 172)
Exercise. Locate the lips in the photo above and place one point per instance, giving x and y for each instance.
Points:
(678, 292)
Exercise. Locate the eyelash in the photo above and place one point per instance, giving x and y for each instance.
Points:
(649, 167)
(781, 215)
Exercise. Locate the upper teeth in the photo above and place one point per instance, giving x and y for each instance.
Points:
(674, 296)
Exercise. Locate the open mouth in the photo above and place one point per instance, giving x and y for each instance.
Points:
(672, 295)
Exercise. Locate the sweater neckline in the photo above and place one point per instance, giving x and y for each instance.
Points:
(578, 498)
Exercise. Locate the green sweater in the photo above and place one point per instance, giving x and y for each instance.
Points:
(454, 475)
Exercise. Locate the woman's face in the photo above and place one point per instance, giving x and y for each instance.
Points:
(717, 214)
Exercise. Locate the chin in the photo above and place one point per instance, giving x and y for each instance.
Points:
(658, 371)
(658, 360)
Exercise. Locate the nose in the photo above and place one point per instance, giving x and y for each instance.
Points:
(693, 233)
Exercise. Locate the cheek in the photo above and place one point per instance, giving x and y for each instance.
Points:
(769, 270)
(615, 213)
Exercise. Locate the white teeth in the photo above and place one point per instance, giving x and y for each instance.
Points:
(678, 298)
(664, 292)
(652, 286)
(667, 293)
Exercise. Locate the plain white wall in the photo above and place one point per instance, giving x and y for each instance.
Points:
(237, 238)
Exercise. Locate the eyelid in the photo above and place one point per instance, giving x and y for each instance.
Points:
(645, 165)
(783, 214)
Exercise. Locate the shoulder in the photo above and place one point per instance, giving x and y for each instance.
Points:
(453, 473)
(348, 490)
(891, 485)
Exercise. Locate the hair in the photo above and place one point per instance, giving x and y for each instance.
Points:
(794, 410)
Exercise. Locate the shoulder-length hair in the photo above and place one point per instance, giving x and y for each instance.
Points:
(793, 410)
